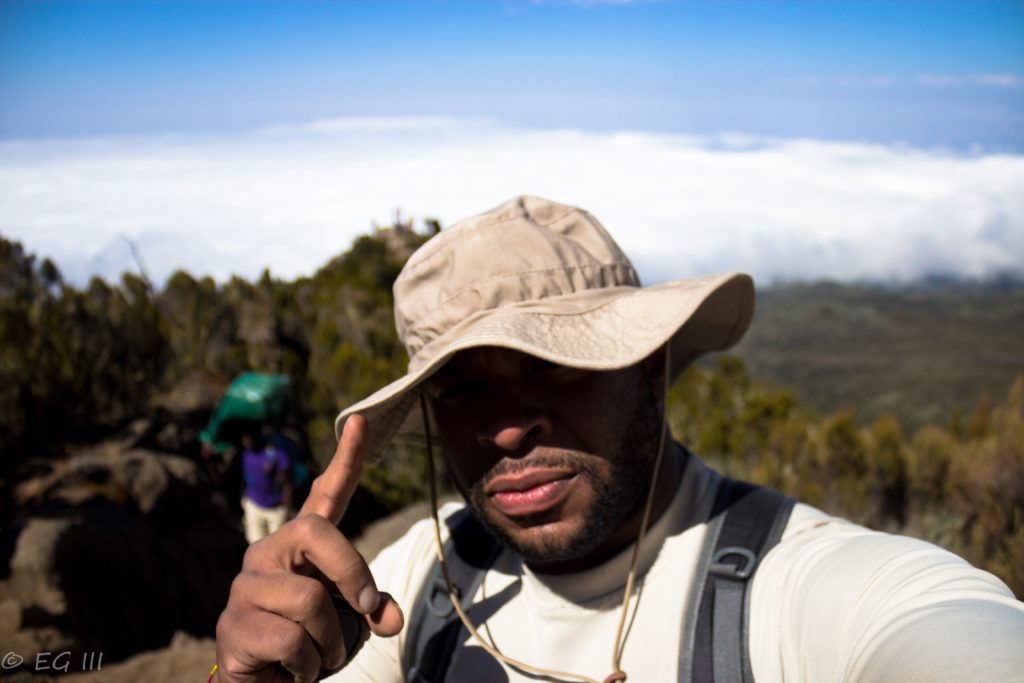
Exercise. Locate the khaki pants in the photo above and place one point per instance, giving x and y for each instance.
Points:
(260, 521)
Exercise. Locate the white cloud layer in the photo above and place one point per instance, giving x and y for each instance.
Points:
(289, 198)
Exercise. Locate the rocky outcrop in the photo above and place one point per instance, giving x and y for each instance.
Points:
(113, 551)
(186, 658)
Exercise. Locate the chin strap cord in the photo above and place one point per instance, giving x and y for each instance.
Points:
(620, 640)
(618, 674)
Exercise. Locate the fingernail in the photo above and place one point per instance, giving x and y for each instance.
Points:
(369, 599)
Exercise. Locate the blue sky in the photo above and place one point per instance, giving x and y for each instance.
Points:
(927, 73)
(794, 140)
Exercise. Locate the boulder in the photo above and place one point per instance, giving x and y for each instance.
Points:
(114, 551)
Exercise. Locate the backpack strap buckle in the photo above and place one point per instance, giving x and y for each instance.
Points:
(733, 571)
(438, 601)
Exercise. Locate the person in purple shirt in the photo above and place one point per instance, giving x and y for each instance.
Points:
(267, 499)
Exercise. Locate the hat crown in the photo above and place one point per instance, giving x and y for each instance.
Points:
(525, 250)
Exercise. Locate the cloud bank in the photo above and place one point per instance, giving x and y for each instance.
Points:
(290, 198)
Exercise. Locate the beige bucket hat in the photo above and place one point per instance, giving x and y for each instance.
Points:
(548, 280)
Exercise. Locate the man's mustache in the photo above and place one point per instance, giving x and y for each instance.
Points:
(545, 459)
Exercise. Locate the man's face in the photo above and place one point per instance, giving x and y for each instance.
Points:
(555, 461)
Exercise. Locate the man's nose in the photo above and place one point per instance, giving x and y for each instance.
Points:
(514, 426)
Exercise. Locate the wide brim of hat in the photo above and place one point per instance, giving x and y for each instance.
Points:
(602, 329)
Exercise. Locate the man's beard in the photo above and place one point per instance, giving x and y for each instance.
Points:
(616, 498)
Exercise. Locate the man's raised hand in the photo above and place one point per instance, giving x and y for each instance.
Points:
(280, 622)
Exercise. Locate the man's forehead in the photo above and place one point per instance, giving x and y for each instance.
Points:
(482, 357)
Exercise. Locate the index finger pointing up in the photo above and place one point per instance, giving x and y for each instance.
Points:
(333, 489)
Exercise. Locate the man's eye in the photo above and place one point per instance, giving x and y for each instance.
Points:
(457, 390)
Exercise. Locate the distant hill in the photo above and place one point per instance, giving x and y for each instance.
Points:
(919, 353)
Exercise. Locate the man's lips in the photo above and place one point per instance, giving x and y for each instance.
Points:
(531, 491)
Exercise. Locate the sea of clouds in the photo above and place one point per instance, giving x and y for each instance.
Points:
(289, 198)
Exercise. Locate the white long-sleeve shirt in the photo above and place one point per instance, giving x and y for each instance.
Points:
(833, 601)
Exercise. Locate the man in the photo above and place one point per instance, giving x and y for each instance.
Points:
(540, 366)
(267, 498)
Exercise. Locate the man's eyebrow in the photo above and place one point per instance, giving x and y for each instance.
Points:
(447, 370)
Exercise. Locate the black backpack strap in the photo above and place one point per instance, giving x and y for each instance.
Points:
(434, 626)
(746, 522)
